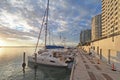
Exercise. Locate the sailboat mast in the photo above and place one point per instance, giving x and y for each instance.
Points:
(46, 24)
(40, 31)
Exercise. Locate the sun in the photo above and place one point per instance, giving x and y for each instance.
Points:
(2, 43)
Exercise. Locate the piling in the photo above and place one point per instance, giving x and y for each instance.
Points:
(35, 58)
(24, 64)
(35, 66)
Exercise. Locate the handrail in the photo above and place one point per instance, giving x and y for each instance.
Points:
(73, 68)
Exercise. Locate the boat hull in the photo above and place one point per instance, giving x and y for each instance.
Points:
(45, 62)
(32, 64)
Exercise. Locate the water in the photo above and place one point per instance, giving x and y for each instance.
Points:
(11, 67)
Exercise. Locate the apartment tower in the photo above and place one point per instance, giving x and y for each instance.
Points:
(110, 17)
(96, 27)
(85, 36)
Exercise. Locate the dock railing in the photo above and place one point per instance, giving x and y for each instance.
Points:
(73, 68)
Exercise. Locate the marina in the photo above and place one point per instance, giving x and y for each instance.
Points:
(85, 67)
(60, 40)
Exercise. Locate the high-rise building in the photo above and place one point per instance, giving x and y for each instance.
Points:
(82, 37)
(110, 17)
(96, 27)
(85, 36)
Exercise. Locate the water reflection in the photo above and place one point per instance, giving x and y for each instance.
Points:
(8, 54)
(50, 73)
(11, 67)
(44, 73)
(1, 51)
(11, 60)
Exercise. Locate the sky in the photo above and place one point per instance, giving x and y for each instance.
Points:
(20, 21)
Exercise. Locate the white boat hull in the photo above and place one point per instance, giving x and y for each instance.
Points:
(47, 61)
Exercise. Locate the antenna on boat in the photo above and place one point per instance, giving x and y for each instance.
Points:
(46, 24)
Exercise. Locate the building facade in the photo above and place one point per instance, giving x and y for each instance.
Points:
(85, 36)
(96, 27)
(82, 37)
(110, 17)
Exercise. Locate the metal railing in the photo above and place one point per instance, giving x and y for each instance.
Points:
(73, 68)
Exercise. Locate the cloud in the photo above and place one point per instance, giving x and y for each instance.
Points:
(6, 32)
(24, 17)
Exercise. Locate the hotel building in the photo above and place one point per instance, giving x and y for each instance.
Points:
(96, 27)
(85, 36)
(110, 17)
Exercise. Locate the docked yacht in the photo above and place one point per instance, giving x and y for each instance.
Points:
(48, 58)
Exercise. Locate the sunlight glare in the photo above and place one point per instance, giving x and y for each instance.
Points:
(2, 43)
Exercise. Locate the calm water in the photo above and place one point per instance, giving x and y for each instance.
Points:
(11, 67)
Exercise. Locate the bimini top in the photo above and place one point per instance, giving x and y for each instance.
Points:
(54, 47)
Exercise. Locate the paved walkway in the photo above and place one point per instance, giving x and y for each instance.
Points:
(87, 68)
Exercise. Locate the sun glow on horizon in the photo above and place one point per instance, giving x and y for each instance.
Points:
(2, 43)
(16, 43)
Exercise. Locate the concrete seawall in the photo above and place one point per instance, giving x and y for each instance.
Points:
(107, 49)
(88, 68)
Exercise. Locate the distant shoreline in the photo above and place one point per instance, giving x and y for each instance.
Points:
(19, 46)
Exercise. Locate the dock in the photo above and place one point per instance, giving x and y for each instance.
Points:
(87, 67)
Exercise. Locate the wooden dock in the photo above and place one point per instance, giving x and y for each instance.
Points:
(87, 67)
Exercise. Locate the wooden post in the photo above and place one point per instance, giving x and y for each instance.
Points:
(24, 64)
(35, 66)
(35, 58)
(24, 57)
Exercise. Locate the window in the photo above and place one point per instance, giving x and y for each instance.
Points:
(116, 28)
(116, 13)
(116, 3)
(52, 61)
(116, 23)
(111, 13)
(116, 8)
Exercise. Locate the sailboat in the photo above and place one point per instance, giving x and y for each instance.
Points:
(47, 57)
